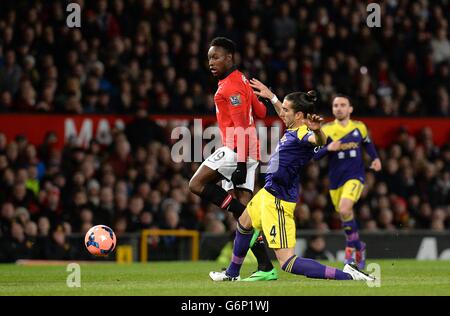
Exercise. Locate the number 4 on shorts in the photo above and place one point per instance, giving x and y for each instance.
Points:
(273, 232)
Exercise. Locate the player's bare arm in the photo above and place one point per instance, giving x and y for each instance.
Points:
(313, 121)
(263, 91)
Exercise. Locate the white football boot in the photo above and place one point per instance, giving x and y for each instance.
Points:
(357, 274)
(222, 276)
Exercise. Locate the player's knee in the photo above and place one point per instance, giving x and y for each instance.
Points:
(345, 209)
(245, 221)
(195, 186)
(244, 198)
(346, 213)
(245, 227)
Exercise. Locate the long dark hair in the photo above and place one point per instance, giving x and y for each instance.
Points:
(303, 102)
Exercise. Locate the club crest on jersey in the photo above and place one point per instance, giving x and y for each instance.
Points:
(355, 133)
(235, 100)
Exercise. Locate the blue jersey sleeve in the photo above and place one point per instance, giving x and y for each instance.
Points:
(370, 148)
(322, 152)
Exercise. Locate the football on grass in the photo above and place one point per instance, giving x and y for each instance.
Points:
(100, 240)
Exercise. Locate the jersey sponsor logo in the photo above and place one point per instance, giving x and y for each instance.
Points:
(235, 100)
(351, 145)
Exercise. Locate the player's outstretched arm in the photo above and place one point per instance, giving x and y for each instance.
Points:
(313, 121)
(330, 146)
(371, 150)
(261, 90)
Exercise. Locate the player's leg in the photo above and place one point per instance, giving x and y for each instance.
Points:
(203, 183)
(351, 192)
(289, 262)
(244, 233)
(243, 193)
(266, 270)
(251, 218)
(244, 196)
(241, 245)
(336, 198)
(279, 228)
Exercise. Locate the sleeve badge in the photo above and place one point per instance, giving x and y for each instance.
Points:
(235, 100)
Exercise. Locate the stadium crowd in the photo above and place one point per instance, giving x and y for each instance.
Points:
(145, 56)
(152, 54)
(46, 193)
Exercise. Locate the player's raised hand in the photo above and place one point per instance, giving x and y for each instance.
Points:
(313, 121)
(261, 89)
(376, 165)
(334, 145)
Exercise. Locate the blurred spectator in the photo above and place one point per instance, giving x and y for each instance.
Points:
(15, 246)
(6, 218)
(316, 249)
(215, 227)
(10, 72)
(57, 247)
(142, 131)
(135, 208)
(440, 46)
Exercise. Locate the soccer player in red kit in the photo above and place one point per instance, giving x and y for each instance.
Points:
(236, 162)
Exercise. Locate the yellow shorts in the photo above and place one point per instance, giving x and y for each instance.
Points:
(275, 218)
(350, 190)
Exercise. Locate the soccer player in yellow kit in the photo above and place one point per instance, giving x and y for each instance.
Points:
(345, 139)
(272, 208)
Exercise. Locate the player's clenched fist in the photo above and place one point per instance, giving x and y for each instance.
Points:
(313, 121)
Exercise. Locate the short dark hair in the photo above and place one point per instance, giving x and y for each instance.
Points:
(341, 95)
(225, 43)
(303, 102)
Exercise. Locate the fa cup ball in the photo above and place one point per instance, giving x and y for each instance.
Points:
(100, 240)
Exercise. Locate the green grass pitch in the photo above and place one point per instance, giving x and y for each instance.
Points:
(398, 277)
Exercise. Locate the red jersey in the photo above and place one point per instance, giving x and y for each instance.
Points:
(236, 104)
